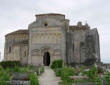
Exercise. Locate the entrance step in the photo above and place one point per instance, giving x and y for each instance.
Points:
(47, 67)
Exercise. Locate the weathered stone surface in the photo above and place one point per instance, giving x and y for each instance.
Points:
(51, 33)
(78, 77)
(90, 83)
(20, 76)
(19, 82)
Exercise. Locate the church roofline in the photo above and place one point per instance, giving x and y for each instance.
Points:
(78, 28)
(50, 14)
(22, 31)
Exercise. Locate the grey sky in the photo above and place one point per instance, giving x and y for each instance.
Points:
(17, 14)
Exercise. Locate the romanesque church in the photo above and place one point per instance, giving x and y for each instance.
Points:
(50, 37)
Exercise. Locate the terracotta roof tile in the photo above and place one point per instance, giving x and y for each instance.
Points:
(78, 28)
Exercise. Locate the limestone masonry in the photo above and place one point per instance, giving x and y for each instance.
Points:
(51, 37)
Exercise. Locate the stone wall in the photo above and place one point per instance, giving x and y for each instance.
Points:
(24, 54)
(18, 82)
(47, 33)
(14, 45)
(82, 46)
(52, 33)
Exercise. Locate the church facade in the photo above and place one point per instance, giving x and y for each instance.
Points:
(50, 37)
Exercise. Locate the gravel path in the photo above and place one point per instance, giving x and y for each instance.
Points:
(48, 77)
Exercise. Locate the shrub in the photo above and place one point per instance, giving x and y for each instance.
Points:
(25, 69)
(107, 77)
(92, 73)
(31, 66)
(6, 64)
(4, 76)
(58, 72)
(66, 73)
(42, 69)
(82, 69)
(70, 71)
(34, 79)
(17, 69)
(57, 64)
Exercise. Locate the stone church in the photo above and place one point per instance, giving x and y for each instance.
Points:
(50, 37)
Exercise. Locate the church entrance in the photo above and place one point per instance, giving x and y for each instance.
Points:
(46, 59)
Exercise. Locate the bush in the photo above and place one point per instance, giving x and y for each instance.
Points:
(42, 69)
(4, 76)
(107, 77)
(34, 79)
(17, 69)
(92, 74)
(82, 68)
(57, 64)
(25, 69)
(66, 73)
(58, 72)
(6, 64)
(31, 66)
(70, 71)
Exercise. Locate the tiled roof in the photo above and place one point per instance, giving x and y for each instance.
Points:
(78, 28)
(18, 32)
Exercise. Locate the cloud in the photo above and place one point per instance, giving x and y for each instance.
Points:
(17, 14)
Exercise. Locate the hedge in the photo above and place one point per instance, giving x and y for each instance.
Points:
(6, 64)
(57, 64)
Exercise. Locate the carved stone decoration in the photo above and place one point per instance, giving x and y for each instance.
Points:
(47, 49)
(46, 37)
(57, 52)
(35, 52)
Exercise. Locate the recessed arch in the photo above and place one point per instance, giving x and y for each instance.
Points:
(46, 59)
(47, 49)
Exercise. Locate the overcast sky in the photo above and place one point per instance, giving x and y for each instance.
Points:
(17, 14)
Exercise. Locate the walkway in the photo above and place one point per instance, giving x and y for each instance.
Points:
(48, 77)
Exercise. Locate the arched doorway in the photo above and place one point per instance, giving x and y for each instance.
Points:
(46, 59)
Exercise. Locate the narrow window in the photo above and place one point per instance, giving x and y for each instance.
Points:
(10, 49)
(25, 54)
(73, 48)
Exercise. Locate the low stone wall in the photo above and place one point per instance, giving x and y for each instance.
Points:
(19, 82)
(89, 83)
(20, 76)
